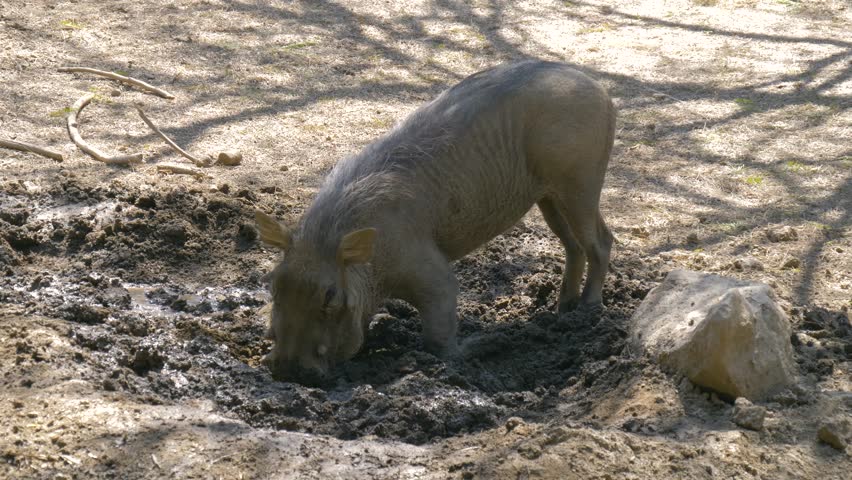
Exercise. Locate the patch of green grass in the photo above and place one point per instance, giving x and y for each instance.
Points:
(821, 226)
(61, 112)
(846, 161)
(753, 180)
(745, 103)
(603, 27)
(429, 78)
(380, 123)
(298, 45)
(732, 228)
(789, 3)
(101, 94)
(795, 166)
(70, 24)
(313, 127)
(644, 141)
(706, 3)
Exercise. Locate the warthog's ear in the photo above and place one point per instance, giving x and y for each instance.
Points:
(356, 247)
(271, 232)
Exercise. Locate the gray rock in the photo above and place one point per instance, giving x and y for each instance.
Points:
(724, 334)
(748, 415)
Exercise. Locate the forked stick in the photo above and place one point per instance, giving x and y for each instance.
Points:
(120, 78)
(85, 147)
(196, 161)
(26, 147)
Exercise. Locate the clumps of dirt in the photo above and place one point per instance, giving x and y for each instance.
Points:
(125, 267)
(822, 338)
(391, 389)
(136, 233)
(119, 264)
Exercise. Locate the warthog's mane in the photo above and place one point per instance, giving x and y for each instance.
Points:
(384, 174)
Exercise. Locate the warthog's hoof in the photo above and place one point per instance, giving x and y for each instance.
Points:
(568, 306)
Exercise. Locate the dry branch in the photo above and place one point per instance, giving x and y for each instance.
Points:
(26, 147)
(85, 147)
(120, 78)
(198, 162)
(180, 170)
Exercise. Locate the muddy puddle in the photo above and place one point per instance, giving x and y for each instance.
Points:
(139, 276)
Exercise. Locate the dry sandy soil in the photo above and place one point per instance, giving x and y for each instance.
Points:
(131, 322)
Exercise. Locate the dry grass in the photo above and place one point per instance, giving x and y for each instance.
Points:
(734, 114)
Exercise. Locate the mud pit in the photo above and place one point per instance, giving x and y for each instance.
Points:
(131, 308)
(145, 333)
(102, 289)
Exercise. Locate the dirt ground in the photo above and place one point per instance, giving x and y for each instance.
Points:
(131, 303)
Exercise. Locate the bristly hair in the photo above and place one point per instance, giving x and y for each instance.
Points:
(388, 171)
(381, 175)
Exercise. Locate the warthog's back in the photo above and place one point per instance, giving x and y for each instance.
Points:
(465, 167)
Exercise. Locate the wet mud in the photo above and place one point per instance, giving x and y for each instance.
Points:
(162, 294)
(134, 273)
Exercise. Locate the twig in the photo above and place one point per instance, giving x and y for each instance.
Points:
(120, 78)
(664, 94)
(26, 147)
(85, 147)
(180, 170)
(196, 161)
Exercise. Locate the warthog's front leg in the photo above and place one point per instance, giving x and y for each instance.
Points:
(433, 290)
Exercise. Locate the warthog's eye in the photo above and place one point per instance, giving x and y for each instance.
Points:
(329, 297)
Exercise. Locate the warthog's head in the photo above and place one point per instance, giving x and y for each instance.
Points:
(319, 301)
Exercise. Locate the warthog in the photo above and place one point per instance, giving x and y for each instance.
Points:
(457, 172)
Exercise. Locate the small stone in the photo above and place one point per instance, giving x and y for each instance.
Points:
(284, 168)
(692, 239)
(146, 201)
(791, 263)
(229, 158)
(529, 450)
(224, 188)
(640, 232)
(747, 415)
(782, 234)
(512, 423)
(833, 434)
(747, 263)
(247, 232)
(109, 385)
